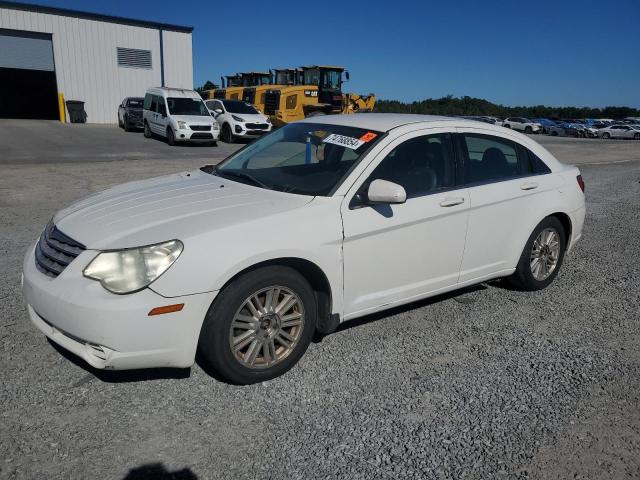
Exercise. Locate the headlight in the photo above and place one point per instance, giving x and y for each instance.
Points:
(215, 126)
(268, 120)
(130, 270)
(237, 119)
(181, 125)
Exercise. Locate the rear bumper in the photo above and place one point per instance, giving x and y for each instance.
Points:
(577, 223)
(112, 331)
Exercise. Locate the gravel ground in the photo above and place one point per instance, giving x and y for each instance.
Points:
(485, 383)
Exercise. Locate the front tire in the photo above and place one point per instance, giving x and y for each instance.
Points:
(528, 130)
(541, 257)
(506, 125)
(606, 135)
(636, 136)
(227, 136)
(259, 326)
(127, 128)
(171, 137)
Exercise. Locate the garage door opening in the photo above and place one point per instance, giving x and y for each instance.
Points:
(27, 76)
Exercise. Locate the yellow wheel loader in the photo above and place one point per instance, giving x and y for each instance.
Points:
(319, 93)
(255, 85)
(232, 86)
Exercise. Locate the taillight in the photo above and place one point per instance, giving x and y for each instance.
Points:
(580, 182)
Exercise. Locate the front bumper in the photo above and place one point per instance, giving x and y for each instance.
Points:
(112, 331)
(188, 135)
(244, 132)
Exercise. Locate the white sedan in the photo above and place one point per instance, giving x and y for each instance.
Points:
(320, 222)
(620, 131)
(238, 119)
(522, 124)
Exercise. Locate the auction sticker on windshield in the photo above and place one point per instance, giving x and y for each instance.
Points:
(348, 142)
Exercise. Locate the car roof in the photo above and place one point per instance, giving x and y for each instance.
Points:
(174, 92)
(383, 122)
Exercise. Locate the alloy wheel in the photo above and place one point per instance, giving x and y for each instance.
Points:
(267, 327)
(545, 254)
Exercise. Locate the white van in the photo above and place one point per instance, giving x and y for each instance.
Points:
(179, 116)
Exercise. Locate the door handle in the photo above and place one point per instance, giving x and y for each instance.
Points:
(452, 202)
(529, 186)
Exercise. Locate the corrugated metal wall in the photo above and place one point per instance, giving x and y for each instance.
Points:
(86, 59)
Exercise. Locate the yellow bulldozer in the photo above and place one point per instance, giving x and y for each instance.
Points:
(318, 91)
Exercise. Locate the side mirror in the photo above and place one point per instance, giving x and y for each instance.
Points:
(217, 111)
(163, 110)
(346, 74)
(383, 191)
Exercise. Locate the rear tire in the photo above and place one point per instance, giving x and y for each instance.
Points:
(547, 245)
(245, 344)
(315, 114)
(506, 125)
(147, 130)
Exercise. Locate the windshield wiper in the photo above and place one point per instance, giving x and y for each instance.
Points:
(240, 175)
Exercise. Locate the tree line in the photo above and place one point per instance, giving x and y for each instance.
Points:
(452, 106)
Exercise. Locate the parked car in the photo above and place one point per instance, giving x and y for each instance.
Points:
(556, 129)
(324, 220)
(620, 131)
(479, 119)
(238, 119)
(179, 116)
(130, 113)
(522, 124)
(545, 123)
(495, 120)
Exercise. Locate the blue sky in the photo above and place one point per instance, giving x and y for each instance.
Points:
(582, 53)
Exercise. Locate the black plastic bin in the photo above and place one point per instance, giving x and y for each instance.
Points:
(76, 111)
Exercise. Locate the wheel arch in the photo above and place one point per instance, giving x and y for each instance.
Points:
(565, 220)
(327, 322)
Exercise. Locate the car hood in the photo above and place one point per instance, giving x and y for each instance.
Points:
(253, 118)
(164, 208)
(194, 119)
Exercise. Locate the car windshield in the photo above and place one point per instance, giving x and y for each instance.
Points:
(187, 106)
(135, 102)
(301, 158)
(236, 106)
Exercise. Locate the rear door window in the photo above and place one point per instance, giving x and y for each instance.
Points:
(491, 159)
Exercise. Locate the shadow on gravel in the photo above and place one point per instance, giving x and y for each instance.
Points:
(157, 471)
(120, 376)
(410, 306)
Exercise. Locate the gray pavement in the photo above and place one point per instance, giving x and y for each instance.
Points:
(28, 142)
(485, 383)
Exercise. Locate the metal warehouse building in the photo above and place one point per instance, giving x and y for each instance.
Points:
(49, 54)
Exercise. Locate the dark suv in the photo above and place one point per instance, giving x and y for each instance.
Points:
(130, 113)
